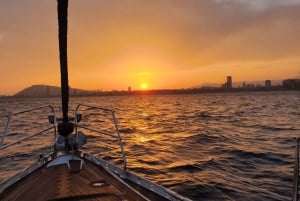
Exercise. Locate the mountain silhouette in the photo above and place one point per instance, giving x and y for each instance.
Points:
(50, 91)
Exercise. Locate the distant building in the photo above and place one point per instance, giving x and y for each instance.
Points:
(129, 89)
(250, 86)
(268, 83)
(291, 84)
(229, 82)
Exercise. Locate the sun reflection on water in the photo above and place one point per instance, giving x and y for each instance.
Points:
(142, 139)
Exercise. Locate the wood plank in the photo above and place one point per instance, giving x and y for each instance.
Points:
(58, 183)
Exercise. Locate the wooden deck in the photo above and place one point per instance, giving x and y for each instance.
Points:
(58, 183)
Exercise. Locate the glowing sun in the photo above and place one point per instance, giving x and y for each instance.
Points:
(144, 86)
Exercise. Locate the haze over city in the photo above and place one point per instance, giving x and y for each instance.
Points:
(149, 44)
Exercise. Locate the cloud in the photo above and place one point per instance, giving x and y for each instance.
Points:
(270, 35)
(185, 31)
(261, 5)
(1, 36)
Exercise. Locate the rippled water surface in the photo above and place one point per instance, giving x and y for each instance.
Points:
(234, 146)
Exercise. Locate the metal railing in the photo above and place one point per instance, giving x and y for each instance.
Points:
(117, 132)
(10, 115)
(296, 172)
(53, 120)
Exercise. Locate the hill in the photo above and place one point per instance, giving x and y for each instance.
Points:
(50, 91)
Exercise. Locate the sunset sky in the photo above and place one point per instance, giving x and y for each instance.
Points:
(159, 44)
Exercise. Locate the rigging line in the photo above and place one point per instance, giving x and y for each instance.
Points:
(62, 9)
(233, 178)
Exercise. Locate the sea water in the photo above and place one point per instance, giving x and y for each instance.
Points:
(223, 146)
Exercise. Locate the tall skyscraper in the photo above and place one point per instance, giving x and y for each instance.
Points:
(229, 82)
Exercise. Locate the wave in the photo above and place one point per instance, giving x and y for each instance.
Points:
(206, 138)
(199, 166)
(147, 171)
(266, 127)
(127, 130)
(261, 157)
(205, 115)
(275, 128)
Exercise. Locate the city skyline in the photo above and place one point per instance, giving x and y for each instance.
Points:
(157, 45)
(286, 84)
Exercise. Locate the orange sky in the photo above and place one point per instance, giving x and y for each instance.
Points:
(164, 44)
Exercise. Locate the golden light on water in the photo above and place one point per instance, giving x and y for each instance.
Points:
(142, 139)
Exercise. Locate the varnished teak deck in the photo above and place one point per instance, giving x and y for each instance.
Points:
(58, 183)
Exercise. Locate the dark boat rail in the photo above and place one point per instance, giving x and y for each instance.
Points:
(115, 122)
(53, 119)
(9, 117)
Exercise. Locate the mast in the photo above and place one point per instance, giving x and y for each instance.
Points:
(65, 127)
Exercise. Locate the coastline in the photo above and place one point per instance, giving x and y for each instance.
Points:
(160, 92)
